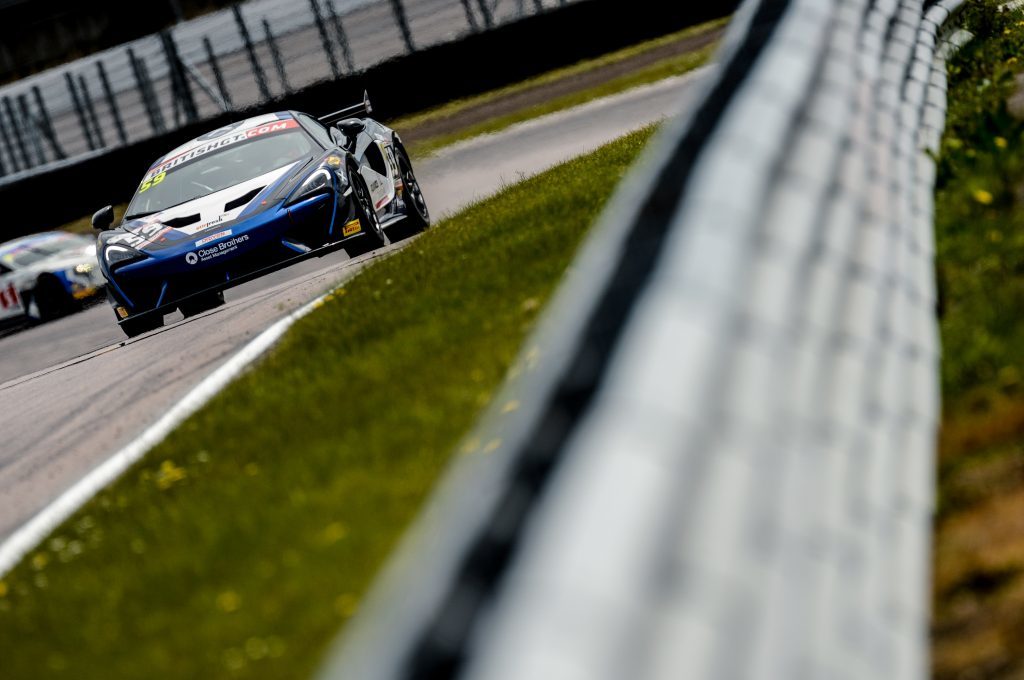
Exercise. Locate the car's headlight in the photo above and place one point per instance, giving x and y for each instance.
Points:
(117, 254)
(318, 183)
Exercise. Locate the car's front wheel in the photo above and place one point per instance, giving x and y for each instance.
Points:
(197, 304)
(136, 326)
(51, 299)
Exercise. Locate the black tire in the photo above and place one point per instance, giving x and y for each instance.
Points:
(135, 326)
(201, 303)
(51, 299)
(417, 214)
(372, 233)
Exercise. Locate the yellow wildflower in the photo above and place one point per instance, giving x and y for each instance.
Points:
(1001, 142)
(228, 601)
(983, 197)
(169, 474)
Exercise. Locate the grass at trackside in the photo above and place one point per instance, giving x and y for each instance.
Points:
(979, 555)
(660, 70)
(241, 545)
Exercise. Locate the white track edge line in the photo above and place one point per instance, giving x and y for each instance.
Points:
(28, 535)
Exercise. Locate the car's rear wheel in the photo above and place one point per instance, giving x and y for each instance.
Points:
(372, 232)
(197, 304)
(417, 216)
(136, 326)
(51, 299)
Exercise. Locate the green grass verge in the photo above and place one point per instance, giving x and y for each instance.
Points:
(665, 68)
(241, 545)
(979, 552)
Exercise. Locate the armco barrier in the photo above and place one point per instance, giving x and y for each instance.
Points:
(170, 107)
(717, 459)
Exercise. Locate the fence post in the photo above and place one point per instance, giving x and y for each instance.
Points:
(275, 55)
(16, 130)
(79, 111)
(111, 102)
(339, 31)
(149, 100)
(257, 70)
(8, 149)
(90, 111)
(324, 39)
(45, 125)
(32, 129)
(486, 12)
(180, 88)
(403, 24)
(218, 76)
(470, 17)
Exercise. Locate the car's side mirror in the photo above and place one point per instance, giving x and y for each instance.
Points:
(350, 127)
(103, 218)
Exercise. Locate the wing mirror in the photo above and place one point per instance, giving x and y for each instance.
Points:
(350, 127)
(103, 218)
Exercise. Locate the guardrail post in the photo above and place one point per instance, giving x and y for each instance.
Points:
(181, 91)
(486, 12)
(257, 70)
(324, 39)
(79, 111)
(403, 24)
(6, 138)
(339, 32)
(115, 113)
(90, 111)
(470, 17)
(45, 125)
(31, 128)
(275, 55)
(218, 76)
(149, 100)
(16, 129)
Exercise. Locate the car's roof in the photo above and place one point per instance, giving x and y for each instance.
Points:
(26, 241)
(228, 134)
(11, 249)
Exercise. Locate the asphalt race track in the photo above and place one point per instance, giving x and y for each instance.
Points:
(72, 392)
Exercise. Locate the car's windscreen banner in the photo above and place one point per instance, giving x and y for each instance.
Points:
(228, 138)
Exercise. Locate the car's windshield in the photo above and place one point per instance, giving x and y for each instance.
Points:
(28, 252)
(170, 184)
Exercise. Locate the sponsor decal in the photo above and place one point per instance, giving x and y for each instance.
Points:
(213, 237)
(9, 297)
(352, 227)
(334, 161)
(122, 312)
(214, 145)
(222, 248)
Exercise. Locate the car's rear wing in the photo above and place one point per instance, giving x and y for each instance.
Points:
(362, 109)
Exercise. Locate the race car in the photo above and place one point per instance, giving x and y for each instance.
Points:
(249, 198)
(44, 276)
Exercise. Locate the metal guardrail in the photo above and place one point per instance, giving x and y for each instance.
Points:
(717, 459)
(231, 59)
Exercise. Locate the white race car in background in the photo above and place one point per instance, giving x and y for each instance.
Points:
(44, 276)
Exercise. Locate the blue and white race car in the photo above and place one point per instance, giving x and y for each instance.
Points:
(44, 276)
(250, 198)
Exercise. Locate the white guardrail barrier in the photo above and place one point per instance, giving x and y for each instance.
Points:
(717, 457)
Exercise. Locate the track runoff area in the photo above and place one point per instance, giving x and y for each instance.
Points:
(80, 404)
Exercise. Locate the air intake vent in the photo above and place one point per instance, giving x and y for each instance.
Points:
(179, 222)
(242, 200)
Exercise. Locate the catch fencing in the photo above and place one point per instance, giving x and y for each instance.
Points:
(717, 459)
(228, 60)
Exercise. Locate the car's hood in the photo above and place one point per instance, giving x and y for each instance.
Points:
(185, 221)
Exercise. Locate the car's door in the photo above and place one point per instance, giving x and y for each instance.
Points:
(11, 305)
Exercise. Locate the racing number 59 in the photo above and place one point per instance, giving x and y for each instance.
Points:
(156, 179)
